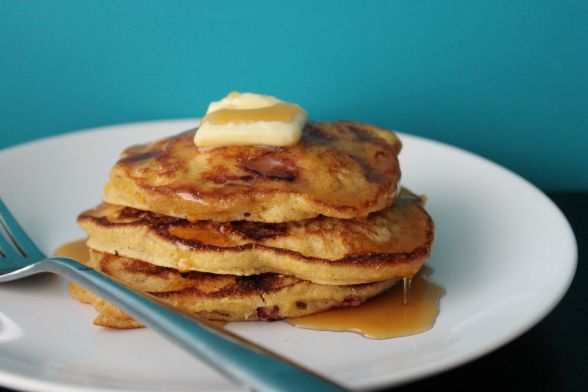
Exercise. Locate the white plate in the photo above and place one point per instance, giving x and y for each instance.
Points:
(504, 253)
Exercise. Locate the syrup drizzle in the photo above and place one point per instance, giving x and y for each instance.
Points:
(406, 283)
(406, 309)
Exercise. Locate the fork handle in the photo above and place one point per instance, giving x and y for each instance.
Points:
(235, 357)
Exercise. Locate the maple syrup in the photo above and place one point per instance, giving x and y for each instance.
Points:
(282, 111)
(410, 307)
(77, 250)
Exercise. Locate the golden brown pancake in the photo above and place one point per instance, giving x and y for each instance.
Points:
(391, 243)
(338, 169)
(220, 297)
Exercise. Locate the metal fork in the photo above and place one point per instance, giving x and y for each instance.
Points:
(238, 359)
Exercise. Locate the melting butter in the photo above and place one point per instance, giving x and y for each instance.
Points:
(251, 119)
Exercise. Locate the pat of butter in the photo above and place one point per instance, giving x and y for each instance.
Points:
(251, 119)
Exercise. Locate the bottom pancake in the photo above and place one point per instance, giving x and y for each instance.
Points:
(220, 297)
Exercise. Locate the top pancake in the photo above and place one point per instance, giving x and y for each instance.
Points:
(338, 169)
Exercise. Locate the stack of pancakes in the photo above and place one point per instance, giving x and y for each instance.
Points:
(255, 232)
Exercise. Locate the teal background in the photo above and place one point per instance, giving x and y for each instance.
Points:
(505, 79)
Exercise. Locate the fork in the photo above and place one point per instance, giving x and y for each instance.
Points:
(238, 359)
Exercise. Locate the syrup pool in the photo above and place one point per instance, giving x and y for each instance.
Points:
(409, 307)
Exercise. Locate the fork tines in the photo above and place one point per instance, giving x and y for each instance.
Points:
(14, 242)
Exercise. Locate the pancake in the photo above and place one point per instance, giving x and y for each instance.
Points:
(391, 243)
(220, 297)
(338, 169)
